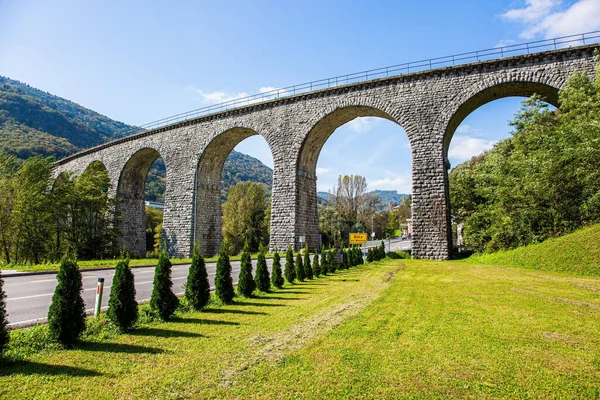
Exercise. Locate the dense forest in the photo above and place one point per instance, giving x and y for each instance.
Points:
(542, 182)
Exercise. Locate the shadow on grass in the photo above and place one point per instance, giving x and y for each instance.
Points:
(202, 321)
(165, 333)
(288, 291)
(228, 311)
(8, 368)
(281, 298)
(118, 348)
(251, 303)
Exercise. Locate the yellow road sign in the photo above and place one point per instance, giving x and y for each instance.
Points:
(358, 238)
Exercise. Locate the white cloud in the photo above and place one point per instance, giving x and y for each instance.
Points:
(466, 128)
(323, 170)
(541, 18)
(463, 147)
(362, 124)
(505, 42)
(219, 96)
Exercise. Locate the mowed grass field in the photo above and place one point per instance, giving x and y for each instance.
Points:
(394, 329)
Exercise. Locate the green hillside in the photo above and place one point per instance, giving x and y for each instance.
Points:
(578, 252)
(34, 122)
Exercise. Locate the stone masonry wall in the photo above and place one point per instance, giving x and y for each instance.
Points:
(428, 105)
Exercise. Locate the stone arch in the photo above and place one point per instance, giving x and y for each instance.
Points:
(207, 213)
(477, 96)
(130, 200)
(307, 219)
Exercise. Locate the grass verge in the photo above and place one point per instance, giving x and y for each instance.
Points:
(399, 328)
(578, 252)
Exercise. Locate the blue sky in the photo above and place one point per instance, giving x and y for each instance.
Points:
(139, 61)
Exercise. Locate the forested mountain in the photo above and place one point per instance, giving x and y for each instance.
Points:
(34, 122)
(386, 196)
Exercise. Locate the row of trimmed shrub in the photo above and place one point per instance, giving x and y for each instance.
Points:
(66, 316)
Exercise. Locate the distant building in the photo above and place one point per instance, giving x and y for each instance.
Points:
(158, 206)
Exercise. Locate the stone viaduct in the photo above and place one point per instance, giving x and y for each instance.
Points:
(429, 106)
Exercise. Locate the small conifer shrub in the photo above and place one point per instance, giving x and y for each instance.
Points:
(307, 267)
(4, 337)
(331, 261)
(290, 269)
(316, 266)
(262, 279)
(163, 300)
(197, 287)
(300, 274)
(122, 306)
(223, 280)
(66, 316)
(276, 274)
(245, 280)
(370, 255)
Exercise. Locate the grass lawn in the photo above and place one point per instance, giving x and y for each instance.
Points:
(399, 328)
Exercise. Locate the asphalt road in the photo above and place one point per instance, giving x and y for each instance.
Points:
(28, 297)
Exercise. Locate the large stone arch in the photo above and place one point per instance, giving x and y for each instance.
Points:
(208, 213)
(130, 200)
(476, 96)
(307, 219)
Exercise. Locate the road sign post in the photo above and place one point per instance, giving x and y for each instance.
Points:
(99, 290)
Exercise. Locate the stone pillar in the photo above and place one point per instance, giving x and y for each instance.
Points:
(209, 217)
(132, 223)
(430, 211)
(178, 219)
(283, 202)
(307, 220)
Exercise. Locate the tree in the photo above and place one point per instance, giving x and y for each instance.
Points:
(307, 267)
(197, 287)
(163, 300)
(244, 216)
(122, 306)
(392, 224)
(316, 265)
(300, 273)
(223, 281)
(245, 280)
(359, 256)
(331, 261)
(4, 336)
(347, 194)
(370, 255)
(290, 269)
(66, 316)
(382, 253)
(262, 279)
(276, 275)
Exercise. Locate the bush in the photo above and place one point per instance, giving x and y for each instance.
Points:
(331, 262)
(4, 338)
(316, 267)
(66, 316)
(122, 306)
(276, 275)
(346, 259)
(370, 255)
(262, 279)
(163, 300)
(197, 287)
(223, 280)
(300, 275)
(359, 256)
(290, 270)
(398, 255)
(307, 267)
(245, 280)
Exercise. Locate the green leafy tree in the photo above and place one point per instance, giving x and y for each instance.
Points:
(4, 336)
(276, 275)
(300, 274)
(197, 287)
(223, 280)
(245, 281)
(244, 216)
(66, 316)
(122, 306)
(307, 267)
(290, 269)
(163, 300)
(262, 279)
(316, 265)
